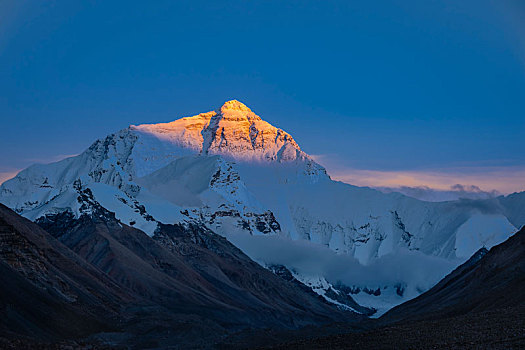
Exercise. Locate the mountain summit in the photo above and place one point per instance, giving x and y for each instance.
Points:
(233, 131)
(234, 105)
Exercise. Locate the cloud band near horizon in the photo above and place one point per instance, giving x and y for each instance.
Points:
(502, 179)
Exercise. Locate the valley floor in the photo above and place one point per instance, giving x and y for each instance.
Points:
(499, 329)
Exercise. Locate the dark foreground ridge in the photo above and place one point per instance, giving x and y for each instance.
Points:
(487, 281)
(97, 281)
(480, 305)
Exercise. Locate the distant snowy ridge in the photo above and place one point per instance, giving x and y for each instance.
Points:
(237, 174)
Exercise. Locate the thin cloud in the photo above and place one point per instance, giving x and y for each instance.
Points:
(455, 192)
(410, 268)
(481, 179)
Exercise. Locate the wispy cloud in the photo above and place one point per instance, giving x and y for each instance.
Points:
(455, 192)
(412, 268)
(478, 178)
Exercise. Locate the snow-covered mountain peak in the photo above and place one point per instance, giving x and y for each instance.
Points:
(236, 111)
(241, 177)
(234, 105)
(233, 131)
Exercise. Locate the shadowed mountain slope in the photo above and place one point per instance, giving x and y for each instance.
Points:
(190, 269)
(94, 276)
(47, 291)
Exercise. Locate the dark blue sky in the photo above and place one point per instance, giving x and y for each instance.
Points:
(382, 86)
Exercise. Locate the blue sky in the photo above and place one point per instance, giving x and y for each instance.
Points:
(382, 93)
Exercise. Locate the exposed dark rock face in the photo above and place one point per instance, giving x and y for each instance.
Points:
(95, 276)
